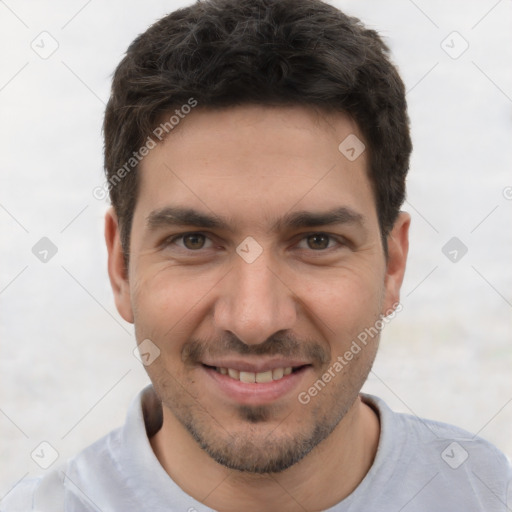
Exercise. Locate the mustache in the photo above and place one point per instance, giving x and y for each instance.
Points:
(282, 344)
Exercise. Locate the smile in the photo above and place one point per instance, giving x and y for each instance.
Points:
(253, 384)
(253, 377)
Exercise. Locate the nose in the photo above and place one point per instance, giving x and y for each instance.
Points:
(254, 302)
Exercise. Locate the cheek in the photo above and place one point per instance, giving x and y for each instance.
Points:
(346, 301)
(165, 302)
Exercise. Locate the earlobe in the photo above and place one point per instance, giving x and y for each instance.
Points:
(398, 248)
(116, 266)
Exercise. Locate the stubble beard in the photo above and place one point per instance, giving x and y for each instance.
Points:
(259, 448)
(252, 439)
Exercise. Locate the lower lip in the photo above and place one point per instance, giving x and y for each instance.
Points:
(250, 393)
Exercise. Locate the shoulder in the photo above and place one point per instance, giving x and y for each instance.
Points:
(101, 474)
(435, 435)
(452, 444)
(42, 493)
(51, 491)
(454, 465)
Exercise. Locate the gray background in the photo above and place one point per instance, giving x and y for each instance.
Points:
(67, 368)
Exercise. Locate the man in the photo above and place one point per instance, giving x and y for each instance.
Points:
(256, 154)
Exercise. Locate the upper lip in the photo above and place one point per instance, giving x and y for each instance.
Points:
(254, 366)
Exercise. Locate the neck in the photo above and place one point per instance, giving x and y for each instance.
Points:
(332, 470)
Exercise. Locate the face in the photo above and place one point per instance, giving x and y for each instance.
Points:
(255, 261)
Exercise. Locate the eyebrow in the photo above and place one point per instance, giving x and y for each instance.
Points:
(308, 219)
(178, 216)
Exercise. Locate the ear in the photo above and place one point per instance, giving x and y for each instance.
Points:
(116, 266)
(398, 247)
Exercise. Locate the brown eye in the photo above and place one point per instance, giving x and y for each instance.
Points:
(318, 241)
(194, 241)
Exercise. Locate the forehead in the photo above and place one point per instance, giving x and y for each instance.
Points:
(252, 163)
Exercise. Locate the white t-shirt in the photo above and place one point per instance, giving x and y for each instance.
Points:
(420, 465)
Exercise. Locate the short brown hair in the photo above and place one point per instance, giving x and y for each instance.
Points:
(222, 53)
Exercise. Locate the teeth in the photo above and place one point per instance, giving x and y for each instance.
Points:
(264, 376)
(277, 373)
(247, 377)
(252, 377)
(234, 374)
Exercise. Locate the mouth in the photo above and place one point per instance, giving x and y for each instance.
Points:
(257, 377)
(246, 386)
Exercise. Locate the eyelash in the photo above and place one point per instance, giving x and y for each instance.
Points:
(171, 240)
